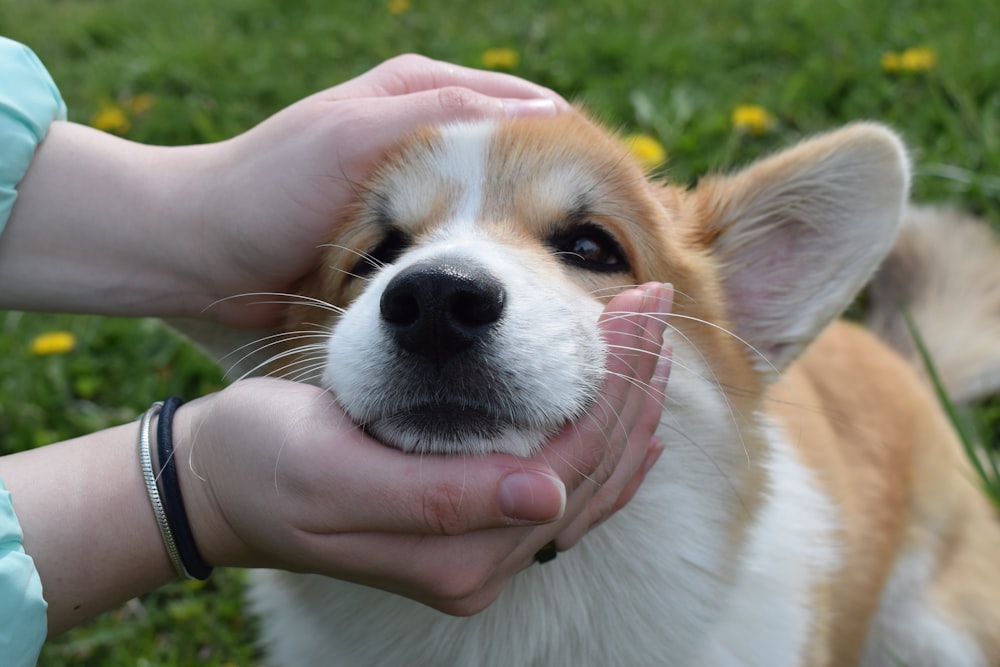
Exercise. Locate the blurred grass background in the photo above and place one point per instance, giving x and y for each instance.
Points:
(189, 71)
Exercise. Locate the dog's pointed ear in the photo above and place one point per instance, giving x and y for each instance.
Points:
(797, 235)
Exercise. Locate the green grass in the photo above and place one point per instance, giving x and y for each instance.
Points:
(673, 70)
(985, 465)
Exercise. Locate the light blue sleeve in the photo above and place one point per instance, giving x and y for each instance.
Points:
(23, 623)
(29, 102)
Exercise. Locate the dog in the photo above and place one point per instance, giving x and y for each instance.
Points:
(813, 505)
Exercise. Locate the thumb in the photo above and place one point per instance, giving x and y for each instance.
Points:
(442, 495)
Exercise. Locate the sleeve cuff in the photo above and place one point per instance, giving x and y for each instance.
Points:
(29, 103)
(23, 621)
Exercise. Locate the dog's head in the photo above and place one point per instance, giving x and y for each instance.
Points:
(469, 274)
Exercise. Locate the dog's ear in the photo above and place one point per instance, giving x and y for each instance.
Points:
(798, 234)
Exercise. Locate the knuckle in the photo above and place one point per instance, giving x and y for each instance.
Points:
(442, 509)
(472, 601)
(601, 506)
(406, 61)
(461, 585)
(458, 100)
(606, 466)
(597, 460)
(465, 608)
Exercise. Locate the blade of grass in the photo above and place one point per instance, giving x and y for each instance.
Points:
(990, 478)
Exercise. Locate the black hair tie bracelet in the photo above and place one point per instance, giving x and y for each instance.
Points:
(173, 504)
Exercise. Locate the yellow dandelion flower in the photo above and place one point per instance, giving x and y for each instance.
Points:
(648, 150)
(918, 59)
(752, 118)
(54, 342)
(397, 7)
(501, 58)
(141, 103)
(915, 59)
(890, 62)
(110, 118)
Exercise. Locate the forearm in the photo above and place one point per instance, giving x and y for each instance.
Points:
(87, 523)
(103, 225)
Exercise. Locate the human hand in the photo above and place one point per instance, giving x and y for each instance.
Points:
(277, 190)
(106, 225)
(274, 475)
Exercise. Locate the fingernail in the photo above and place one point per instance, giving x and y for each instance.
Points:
(661, 374)
(664, 303)
(538, 106)
(666, 299)
(532, 497)
(648, 317)
(656, 449)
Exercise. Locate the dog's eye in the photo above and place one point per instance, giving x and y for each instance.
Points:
(590, 247)
(386, 252)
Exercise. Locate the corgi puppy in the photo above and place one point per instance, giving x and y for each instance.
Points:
(813, 505)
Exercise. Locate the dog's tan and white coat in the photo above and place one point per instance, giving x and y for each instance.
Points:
(812, 507)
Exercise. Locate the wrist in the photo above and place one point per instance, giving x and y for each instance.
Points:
(87, 523)
(101, 225)
(164, 490)
(203, 479)
(216, 196)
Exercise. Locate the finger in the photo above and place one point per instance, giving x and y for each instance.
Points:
(587, 519)
(641, 404)
(453, 104)
(655, 451)
(388, 491)
(643, 445)
(435, 569)
(644, 352)
(382, 121)
(629, 370)
(458, 575)
(634, 352)
(410, 73)
(626, 442)
(578, 451)
(457, 103)
(607, 498)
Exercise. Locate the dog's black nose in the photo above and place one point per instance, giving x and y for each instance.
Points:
(438, 309)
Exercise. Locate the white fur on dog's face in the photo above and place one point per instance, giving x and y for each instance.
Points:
(447, 206)
(539, 366)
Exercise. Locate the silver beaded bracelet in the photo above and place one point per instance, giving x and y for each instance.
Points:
(154, 493)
